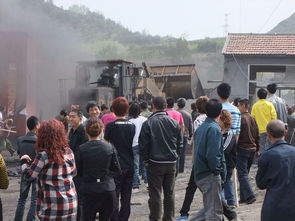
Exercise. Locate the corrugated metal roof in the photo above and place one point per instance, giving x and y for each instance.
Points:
(259, 44)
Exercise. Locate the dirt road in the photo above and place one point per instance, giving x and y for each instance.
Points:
(139, 210)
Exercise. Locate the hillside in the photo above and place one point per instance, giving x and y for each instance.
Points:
(286, 26)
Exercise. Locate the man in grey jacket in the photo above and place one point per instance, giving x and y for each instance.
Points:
(278, 103)
(26, 146)
(188, 131)
(160, 142)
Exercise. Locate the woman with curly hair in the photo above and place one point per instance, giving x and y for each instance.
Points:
(54, 166)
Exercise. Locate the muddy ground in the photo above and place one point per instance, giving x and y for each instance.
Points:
(139, 210)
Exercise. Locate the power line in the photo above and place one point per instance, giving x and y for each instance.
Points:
(271, 14)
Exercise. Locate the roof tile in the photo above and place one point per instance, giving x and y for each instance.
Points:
(260, 44)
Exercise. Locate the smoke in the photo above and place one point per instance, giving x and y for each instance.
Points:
(53, 50)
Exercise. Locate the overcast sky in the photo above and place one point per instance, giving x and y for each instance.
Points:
(193, 19)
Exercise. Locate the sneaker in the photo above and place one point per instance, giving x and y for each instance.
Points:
(251, 200)
(182, 218)
(135, 190)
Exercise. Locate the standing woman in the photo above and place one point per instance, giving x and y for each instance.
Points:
(54, 165)
(97, 162)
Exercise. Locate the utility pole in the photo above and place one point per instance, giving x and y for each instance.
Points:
(226, 25)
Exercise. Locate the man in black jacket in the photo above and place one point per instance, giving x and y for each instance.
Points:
(160, 142)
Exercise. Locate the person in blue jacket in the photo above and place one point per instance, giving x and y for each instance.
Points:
(276, 174)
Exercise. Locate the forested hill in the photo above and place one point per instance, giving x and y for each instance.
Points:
(105, 38)
(93, 25)
(286, 26)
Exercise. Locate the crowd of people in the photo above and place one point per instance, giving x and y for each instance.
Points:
(83, 169)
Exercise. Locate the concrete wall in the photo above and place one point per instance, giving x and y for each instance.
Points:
(237, 73)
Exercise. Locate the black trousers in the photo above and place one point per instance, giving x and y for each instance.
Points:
(189, 195)
(78, 184)
(123, 189)
(161, 176)
(103, 203)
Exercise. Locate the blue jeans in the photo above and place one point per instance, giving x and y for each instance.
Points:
(228, 188)
(244, 162)
(142, 169)
(263, 142)
(24, 192)
(135, 181)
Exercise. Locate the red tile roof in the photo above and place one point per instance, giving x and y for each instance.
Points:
(259, 44)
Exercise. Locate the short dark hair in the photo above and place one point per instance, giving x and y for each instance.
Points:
(236, 101)
(194, 106)
(91, 105)
(63, 112)
(134, 110)
(276, 128)
(78, 112)
(244, 102)
(272, 88)
(143, 105)
(201, 104)
(120, 106)
(261, 93)
(181, 102)
(223, 90)
(159, 102)
(170, 102)
(94, 127)
(32, 122)
(104, 107)
(213, 108)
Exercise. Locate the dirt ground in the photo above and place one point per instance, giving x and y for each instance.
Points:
(139, 209)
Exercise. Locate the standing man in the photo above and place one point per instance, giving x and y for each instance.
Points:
(209, 163)
(248, 147)
(188, 131)
(77, 136)
(278, 103)
(223, 91)
(263, 112)
(144, 111)
(160, 141)
(26, 146)
(276, 174)
(173, 113)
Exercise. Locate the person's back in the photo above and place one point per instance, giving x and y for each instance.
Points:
(209, 164)
(263, 112)
(94, 161)
(165, 135)
(279, 181)
(97, 163)
(120, 133)
(26, 146)
(160, 142)
(279, 104)
(203, 138)
(249, 137)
